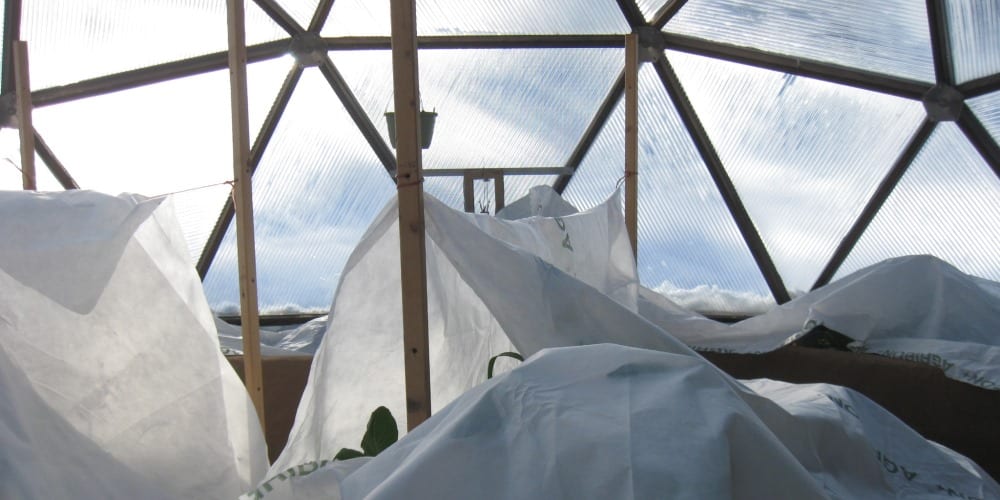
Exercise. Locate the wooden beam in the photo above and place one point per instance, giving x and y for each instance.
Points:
(55, 166)
(26, 130)
(409, 186)
(267, 130)
(875, 203)
(11, 34)
(593, 129)
(632, 141)
(319, 16)
(937, 20)
(869, 80)
(720, 177)
(154, 74)
(249, 313)
(469, 192)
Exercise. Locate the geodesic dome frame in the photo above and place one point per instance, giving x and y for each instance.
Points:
(940, 88)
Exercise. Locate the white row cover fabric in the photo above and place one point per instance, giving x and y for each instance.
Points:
(113, 382)
(608, 421)
(914, 307)
(573, 421)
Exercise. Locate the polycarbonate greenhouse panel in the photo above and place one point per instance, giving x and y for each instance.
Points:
(987, 109)
(805, 155)
(974, 29)
(316, 190)
(947, 205)
(159, 139)
(72, 40)
(689, 246)
(889, 36)
(495, 108)
(649, 8)
(502, 17)
(512, 108)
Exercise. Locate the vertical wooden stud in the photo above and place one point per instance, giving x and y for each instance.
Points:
(410, 191)
(23, 110)
(632, 140)
(249, 313)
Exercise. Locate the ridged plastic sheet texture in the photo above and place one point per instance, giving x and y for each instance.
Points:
(72, 40)
(687, 238)
(495, 108)
(885, 37)
(649, 8)
(458, 17)
(804, 155)
(147, 141)
(974, 29)
(987, 110)
(318, 187)
(512, 108)
(947, 205)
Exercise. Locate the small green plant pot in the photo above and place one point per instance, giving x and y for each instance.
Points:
(427, 119)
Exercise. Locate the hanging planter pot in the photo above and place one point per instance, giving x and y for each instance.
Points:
(427, 119)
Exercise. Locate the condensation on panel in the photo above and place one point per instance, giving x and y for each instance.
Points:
(804, 155)
(318, 188)
(689, 246)
(947, 205)
(885, 37)
(974, 37)
(459, 17)
(73, 40)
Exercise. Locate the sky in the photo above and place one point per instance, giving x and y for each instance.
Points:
(804, 155)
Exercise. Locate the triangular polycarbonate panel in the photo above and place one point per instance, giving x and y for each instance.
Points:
(987, 109)
(689, 246)
(504, 108)
(804, 155)
(650, 8)
(317, 189)
(947, 205)
(73, 40)
(889, 36)
(459, 17)
(11, 178)
(974, 36)
(158, 139)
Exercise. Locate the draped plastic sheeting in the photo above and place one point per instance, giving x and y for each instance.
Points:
(608, 421)
(114, 385)
(359, 367)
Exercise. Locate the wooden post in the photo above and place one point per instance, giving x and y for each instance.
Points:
(632, 140)
(410, 191)
(249, 313)
(23, 110)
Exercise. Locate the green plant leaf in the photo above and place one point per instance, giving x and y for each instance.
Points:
(347, 454)
(493, 360)
(381, 432)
